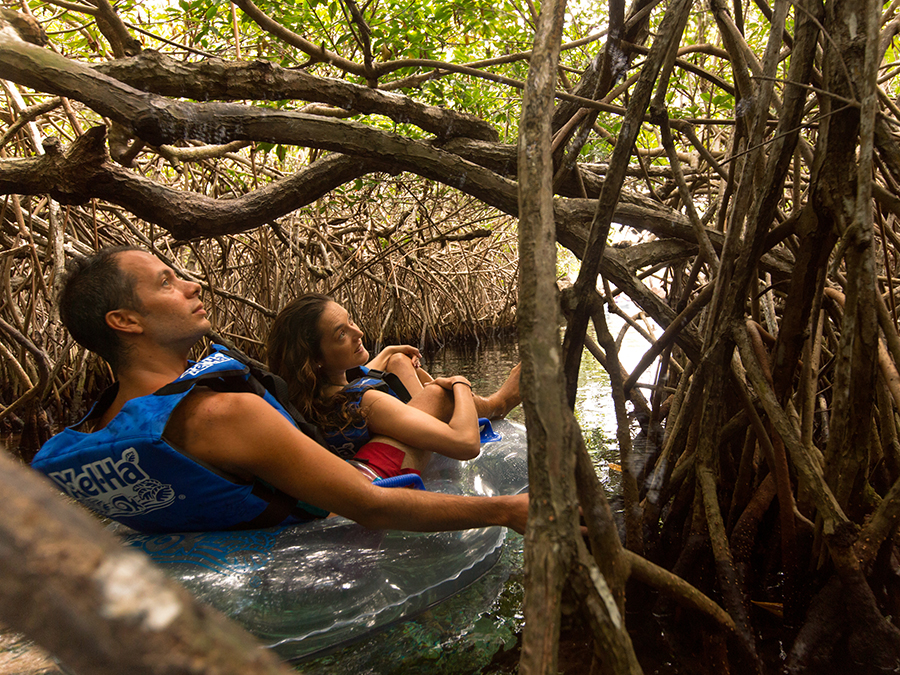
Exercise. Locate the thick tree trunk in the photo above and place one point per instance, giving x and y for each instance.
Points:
(102, 609)
(553, 514)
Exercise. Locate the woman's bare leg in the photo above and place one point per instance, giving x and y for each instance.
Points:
(436, 401)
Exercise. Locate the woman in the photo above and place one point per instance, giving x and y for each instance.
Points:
(314, 343)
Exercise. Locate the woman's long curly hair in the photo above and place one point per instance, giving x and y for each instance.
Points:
(293, 349)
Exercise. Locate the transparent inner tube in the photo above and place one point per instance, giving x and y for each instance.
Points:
(307, 589)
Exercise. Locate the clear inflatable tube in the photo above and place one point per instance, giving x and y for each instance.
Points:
(305, 590)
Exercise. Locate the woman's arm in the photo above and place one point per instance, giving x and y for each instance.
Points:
(458, 438)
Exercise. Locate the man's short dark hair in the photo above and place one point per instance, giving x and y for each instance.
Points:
(95, 285)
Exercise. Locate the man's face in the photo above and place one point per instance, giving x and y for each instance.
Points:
(170, 308)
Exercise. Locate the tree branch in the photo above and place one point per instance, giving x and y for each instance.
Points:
(217, 79)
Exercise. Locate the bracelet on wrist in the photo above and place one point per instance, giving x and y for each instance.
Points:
(465, 383)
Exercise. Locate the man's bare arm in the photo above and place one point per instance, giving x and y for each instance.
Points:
(242, 434)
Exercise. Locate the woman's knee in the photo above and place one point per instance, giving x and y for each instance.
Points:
(403, 367)
(400, 363)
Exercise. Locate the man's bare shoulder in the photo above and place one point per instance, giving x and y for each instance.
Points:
(206, 414)
(230, 430)
(223, 408)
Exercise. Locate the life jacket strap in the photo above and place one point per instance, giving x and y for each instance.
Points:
(390, 379)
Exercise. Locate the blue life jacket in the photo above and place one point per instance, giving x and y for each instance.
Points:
(130, 473)
(346, 442)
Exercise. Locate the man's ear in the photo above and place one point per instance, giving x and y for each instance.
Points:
(124, 320)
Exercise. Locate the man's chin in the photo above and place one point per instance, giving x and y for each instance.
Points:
(203, 328)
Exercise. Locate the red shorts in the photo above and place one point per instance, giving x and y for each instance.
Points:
(384, 459)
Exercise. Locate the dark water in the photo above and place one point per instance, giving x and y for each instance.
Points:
(462, 635)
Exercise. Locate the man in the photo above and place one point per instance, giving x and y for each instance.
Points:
(226, 457)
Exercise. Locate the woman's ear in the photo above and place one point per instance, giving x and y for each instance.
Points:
(124, 320)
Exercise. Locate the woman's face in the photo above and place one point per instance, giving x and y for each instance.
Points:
(341, 343)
